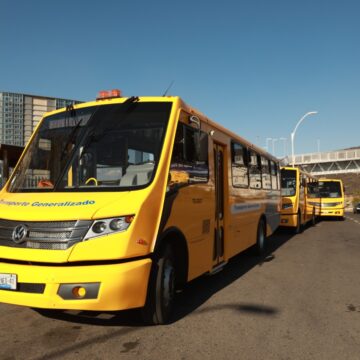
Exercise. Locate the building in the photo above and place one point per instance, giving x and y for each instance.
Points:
(20, 113)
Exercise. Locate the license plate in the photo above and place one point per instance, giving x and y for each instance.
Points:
(8, 281)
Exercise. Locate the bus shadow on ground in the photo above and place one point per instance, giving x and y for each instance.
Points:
(198, 291)
(195, 293)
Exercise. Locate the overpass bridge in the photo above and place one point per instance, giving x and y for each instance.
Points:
(333, 162)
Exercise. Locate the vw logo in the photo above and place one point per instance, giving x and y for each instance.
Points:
(19, 234)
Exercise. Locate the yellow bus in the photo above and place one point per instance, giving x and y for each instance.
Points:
(117, 203)
(297, 190)
(332, 198)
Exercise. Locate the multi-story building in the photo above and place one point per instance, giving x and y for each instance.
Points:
(20, 113)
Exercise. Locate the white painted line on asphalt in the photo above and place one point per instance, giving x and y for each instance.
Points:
(352, 219)
(355, 221)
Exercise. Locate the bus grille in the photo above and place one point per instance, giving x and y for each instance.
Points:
(54, 235)
(326, 205)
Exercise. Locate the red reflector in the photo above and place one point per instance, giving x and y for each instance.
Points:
(141, 242)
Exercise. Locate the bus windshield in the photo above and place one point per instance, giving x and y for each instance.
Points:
(288, 182)
(313, 190)
(100, 148)
(330, 189)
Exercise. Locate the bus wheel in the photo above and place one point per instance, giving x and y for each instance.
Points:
(260, 238)
(298, 226)
(161, 289)
(313, 219)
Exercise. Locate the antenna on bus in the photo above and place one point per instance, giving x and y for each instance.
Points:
(169, 87)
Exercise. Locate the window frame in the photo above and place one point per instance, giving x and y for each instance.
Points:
(274, 166)
(265, 164)
(244, 165)
(258, 166)
(186, 129)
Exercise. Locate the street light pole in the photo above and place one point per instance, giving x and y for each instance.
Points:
(293, 134)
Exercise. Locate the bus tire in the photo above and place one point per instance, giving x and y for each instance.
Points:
(161, 289)
(298, 226)
(260, 238)
(313, 218)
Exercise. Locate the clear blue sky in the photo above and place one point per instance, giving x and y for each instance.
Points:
(255, 66)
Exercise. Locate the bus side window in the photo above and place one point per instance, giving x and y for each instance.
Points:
(265, 171)
(189, 162)
(239, 169)
(254, 170)
(179, 148)
(274, 182)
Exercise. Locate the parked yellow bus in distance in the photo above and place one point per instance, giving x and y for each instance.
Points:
(331, 198)
(117, 203)
(297, 188)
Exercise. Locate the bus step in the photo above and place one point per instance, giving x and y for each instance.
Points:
(217, 268)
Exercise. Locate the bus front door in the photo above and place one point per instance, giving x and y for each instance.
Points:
(218, 252)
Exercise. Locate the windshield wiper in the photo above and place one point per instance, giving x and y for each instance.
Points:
(90, 137)
(72, 138)
(71, 111)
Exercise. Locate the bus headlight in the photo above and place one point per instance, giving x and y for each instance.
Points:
(118, 224)
(109, 226)
(99, 227)
(287, 206)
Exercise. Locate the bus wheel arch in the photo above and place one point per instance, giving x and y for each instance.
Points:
(176, 239)
(168, 272)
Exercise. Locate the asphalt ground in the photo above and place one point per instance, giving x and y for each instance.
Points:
(301, 300)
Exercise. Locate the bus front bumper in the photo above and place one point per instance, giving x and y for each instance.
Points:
(107, 287)
(332, 212)
(288, 220)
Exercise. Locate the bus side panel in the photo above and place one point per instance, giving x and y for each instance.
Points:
(272, 211)
(245, 210)
(191, 209)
